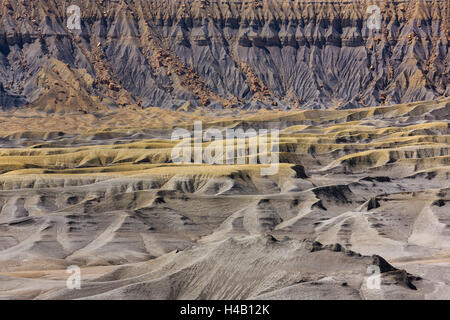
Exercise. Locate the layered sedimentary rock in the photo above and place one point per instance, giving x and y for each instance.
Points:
(247, 54)
(352, 186)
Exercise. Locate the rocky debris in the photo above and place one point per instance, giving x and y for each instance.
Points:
(259, 89)
(187, 107)
(162, 59)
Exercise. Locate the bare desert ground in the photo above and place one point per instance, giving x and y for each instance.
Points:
(355, 188)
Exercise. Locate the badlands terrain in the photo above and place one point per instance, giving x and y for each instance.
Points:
(87, 177)
(356, 188)
(251, 54)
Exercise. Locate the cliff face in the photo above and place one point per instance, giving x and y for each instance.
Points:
(247, 54)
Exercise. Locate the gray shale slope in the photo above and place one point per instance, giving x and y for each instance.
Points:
(246, 54)
(353, 186)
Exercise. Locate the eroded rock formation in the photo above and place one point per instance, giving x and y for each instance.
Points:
(248, 54)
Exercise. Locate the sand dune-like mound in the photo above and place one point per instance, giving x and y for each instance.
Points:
(112, 201)
(285, 269)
